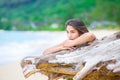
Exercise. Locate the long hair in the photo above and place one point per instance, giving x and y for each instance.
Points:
(77, 24)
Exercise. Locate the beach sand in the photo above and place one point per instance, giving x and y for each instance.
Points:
(101, 33)
(13, 71)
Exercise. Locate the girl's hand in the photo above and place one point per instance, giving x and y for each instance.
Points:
(68, 43)
(67, 48)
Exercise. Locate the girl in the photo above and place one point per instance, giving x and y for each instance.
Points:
(77, 34)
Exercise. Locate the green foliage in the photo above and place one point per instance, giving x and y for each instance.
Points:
(5, 24)
(100, 26)
(20, 13)
(107, 10)
(69, 79)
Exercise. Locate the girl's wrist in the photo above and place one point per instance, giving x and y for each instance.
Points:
(61, 47)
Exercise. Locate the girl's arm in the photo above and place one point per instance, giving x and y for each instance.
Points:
(84, 38)
(69, 44)
(56, 48)
(52, 49)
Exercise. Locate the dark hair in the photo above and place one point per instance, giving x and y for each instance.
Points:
(77, 24)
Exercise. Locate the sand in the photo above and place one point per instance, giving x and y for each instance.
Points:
(13, 71)
(101, 33)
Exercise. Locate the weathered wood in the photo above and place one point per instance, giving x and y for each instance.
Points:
(79, 63)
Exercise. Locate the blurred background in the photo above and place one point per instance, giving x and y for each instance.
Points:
(37, 15)
(27, 27)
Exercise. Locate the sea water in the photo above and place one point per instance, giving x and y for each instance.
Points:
(15, 45)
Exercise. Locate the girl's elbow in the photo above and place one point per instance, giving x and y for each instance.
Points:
(92, 37)
(46, 52)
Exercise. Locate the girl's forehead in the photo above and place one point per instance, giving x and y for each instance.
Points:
(69, 27)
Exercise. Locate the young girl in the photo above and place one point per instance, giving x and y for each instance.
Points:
(77, 34)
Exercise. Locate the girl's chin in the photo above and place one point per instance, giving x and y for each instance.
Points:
(72, 38)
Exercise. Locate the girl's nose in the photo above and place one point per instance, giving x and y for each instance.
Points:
(70, 36)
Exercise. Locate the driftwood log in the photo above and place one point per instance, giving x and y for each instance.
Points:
(98, 60)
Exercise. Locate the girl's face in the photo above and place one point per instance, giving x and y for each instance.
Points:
(72, 33)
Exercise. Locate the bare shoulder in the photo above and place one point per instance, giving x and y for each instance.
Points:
(90, 35)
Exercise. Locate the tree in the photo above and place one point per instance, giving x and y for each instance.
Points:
(107, 10)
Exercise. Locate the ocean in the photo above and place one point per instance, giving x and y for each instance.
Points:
(15, 45)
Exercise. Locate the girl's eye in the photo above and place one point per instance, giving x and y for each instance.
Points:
(72, 31)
